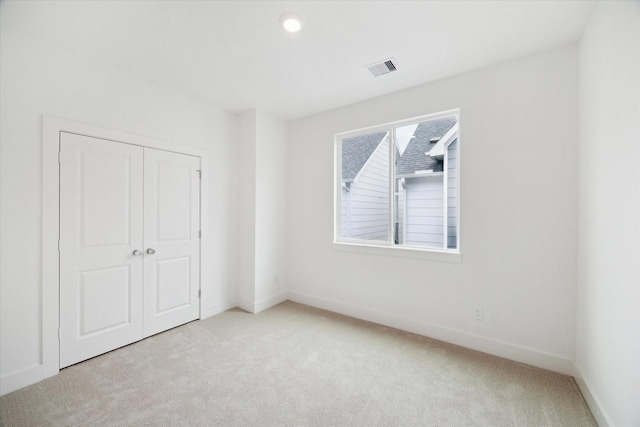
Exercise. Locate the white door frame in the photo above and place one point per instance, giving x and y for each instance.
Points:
(51, 128)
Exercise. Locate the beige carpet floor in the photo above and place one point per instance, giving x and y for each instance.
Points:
(293, 365)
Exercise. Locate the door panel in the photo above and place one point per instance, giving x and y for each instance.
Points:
(105, 197)
(104, 300)
(172, 224)
(100, 227)
(172, 284)
(172, 186)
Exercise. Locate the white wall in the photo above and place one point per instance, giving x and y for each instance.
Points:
(246, 175)
(608, 309)
(271, 211)
(518, 131)
(262, 210)
(38, 78)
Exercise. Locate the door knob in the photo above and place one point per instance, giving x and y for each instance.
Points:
(151, 251)
(137, 253)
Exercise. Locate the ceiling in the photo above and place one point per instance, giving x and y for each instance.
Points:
(235, 55)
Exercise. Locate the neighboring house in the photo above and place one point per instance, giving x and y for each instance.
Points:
(365, 187)
(420, 173)
(424, 163)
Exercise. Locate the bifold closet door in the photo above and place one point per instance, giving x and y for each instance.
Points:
(101, 214)
(129, 244)
(171, 238)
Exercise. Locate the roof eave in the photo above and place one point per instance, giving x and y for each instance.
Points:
(437, 152)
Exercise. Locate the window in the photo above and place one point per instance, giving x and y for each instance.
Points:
(397, 184)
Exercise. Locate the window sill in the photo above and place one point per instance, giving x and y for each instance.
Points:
(399, 251)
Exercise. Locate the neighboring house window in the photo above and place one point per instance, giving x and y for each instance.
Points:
(397, 184)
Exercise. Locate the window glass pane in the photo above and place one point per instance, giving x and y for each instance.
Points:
(426, 160)
(423, 157)
(364, 192)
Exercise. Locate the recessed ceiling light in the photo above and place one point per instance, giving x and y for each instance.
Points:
(291, 23)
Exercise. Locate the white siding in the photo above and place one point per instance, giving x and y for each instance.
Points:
(344, 211)
(365, 212)
(425, 218)
(452, 191)
(400, 208)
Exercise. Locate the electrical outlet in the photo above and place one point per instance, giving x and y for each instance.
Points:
(478, 313)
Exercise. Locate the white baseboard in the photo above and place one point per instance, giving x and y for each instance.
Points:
(213, 309)
(34, 374)
(595, 404)
(475, 342)
(269, 302)
(17, 380)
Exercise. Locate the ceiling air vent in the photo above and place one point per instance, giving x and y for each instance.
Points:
(383, 67)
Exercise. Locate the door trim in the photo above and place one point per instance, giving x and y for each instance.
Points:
(50, 304)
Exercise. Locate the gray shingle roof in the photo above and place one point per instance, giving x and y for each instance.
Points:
(414, 157)
(356, 151)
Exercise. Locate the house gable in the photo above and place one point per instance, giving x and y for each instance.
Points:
(425, 138)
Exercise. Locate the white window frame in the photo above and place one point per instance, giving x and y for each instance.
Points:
(389, 248)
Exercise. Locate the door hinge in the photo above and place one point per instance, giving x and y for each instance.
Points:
(199, 293)
(59, 334)
(59, 246)
(199, 173)
(199, 234)
(59, 156)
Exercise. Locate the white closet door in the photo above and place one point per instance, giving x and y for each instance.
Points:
(171, 236)
(101, 202)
